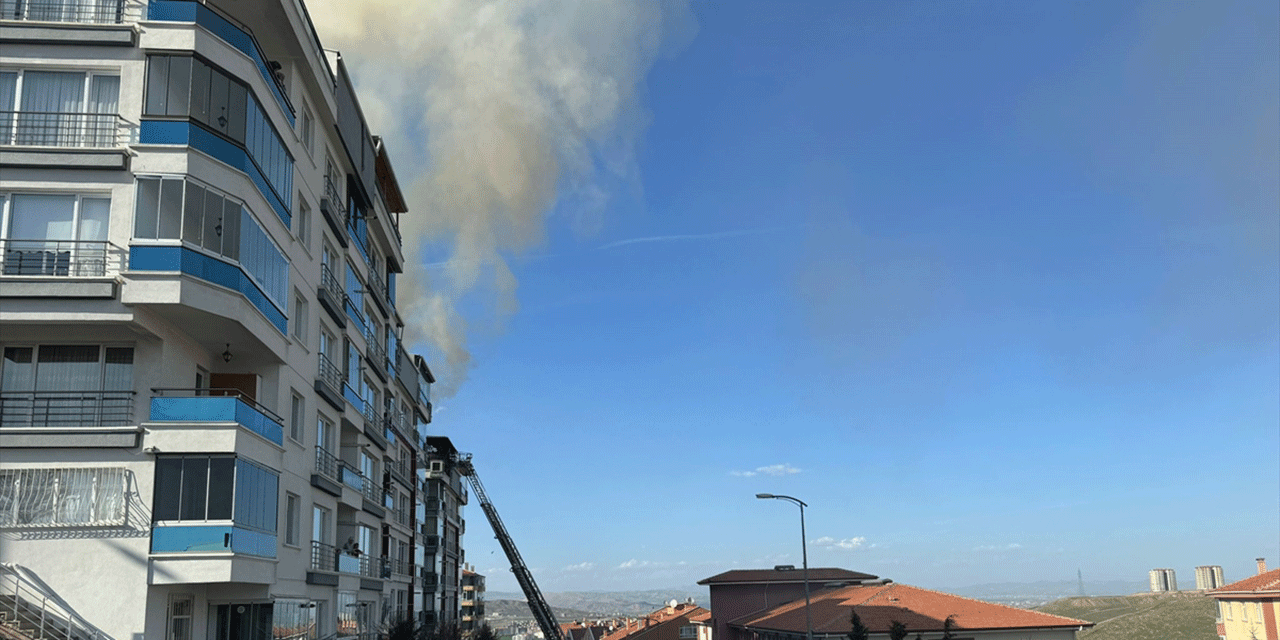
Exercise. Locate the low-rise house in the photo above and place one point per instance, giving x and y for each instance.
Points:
(878, 604)
(676, 621)
(1250, 609)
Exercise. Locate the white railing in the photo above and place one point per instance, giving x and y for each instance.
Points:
(36, 611)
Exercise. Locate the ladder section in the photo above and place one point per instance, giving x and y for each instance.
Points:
(537, 604)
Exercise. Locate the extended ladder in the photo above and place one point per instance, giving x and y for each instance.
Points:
(541, 611)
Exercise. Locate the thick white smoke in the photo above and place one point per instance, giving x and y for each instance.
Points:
(494, 111)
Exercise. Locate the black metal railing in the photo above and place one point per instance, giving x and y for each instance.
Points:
(69, 258)
(52, 409)
(327, 464)
(371, 415)
(377, 353)
(330, 284)
(81, 11)
(218, 392)
(61, 129)
(329, 374)
(371, 489)
(332, 192)
(324, 557)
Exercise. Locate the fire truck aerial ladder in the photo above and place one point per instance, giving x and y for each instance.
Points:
(537, 604)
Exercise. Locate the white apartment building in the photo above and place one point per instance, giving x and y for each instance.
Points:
(209, 427)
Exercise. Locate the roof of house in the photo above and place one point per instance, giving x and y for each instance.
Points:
(684, 611)
(816, 575)
(1265, 581)
(879, 605)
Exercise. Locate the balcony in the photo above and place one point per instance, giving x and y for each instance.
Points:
(326, 557)
(64, 140)
(62, 409)
(331, 208)
(331, 295)
(211, 539)
(377, 356)
(91, 22)
(73, 11)
(379, 288)
(329, 382)
(59, 258)
(216, 406)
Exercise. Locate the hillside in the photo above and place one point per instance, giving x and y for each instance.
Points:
(1185, 615)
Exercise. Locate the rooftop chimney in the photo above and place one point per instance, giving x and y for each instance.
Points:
(1262, 566)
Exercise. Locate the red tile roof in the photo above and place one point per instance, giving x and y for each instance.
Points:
(683, 611)
(919, 609)
(1266, 581)
(816, 575)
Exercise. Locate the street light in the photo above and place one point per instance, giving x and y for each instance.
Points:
(804, 550)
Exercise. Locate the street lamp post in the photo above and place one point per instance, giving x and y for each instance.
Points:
(804, 550)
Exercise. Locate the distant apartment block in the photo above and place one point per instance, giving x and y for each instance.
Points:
(472, 600)
(1163, 580)
(444, 495)
(1209, 577)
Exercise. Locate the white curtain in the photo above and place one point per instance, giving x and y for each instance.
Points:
(49, 98)
(8, 91)
(104, 102)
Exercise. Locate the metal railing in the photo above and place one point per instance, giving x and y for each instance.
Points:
(62, 129)
(371, 415)
(80, 11)
(37, 611)
(329, 283)
(54, 409)
(329, 374)
(218, 392)
(69, 258)
(377, 353)
(371, 489)
(326, 464)
(333, 193)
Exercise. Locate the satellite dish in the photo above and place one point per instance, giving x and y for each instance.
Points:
(672, 603)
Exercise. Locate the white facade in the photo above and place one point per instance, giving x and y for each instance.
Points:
(204, 405)
(1163, 580)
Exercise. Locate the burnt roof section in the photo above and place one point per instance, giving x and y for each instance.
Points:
(387, 183)
(443, 446)
(749, 576)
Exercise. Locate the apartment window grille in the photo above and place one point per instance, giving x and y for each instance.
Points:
(54, 234)
(93, 497)
(205, 488)
(59, 108)
(182, 209)
(181, 608)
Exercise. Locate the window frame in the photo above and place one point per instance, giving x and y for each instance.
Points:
(292, 509)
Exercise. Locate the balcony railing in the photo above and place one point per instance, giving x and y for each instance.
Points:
(54, 409)
(326, 464)
(326, 557)
(377, 355)
(80, 11)
(330, 285)
(63, 129)
(329, 374)
(69, 258)
(216, 405)
(371, 489)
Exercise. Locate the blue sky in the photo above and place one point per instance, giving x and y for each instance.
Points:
(993, 286)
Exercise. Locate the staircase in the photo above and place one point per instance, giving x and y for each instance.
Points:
(31, 610)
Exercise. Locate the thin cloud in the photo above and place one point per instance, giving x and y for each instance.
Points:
(634, 564)
(996, 547)
(775, 470)
(581, 566)
(847, 544)
(719, 235)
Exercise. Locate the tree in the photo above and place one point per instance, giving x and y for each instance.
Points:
(948, 626)
(857, 630)
(897, 630)
(485, 632)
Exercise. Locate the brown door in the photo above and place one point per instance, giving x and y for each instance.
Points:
(245, 383)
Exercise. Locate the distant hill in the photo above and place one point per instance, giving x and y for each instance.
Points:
(1181, 615)
(498, 612)
(1033, 594)
(607, 604)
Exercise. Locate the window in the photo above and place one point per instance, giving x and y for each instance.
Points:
(302, 223)
(190, 87)
(296, 416)
(59, 108)
(79, 367)
(319, 524)
(54, 234)
(300, 312)
(173, 208)
(1227, 606)
(181, 606)
(688, 631)
(291, 506)
(306, 126)
(202, 488)
(62, 497)
(1244, 611)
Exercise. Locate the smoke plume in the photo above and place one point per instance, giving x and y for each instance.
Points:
(496, 113)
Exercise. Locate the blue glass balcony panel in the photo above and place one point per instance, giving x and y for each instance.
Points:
(208, 268)
(212, 538)
(216, 409)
